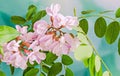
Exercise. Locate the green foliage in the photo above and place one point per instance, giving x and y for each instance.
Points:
(7, 33)
(31, 11)
(18, 20)
(99, 73)
(86, 62)
(38, 16)
(66, 60)
(32, 65)
(107, 11)
(100, 27)
(32, 72)
(83, 52)
(12, 69)
(2, 73)
(92, 65)
(1, 50)
(117, 14)
(119, 46)
(97, 63)
(50, 58)
(84, 25)
(45, 68)
(55, 69)
(112, 32)
(68, 72)
(87, 11)
(106, 73)
(42, 74)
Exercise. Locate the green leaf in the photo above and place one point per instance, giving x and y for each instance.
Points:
(2, 73)
(55, 69)
(42, 74)
(7, 33)
(31, 11)
(45, 68)
(1, 50)
(117, 14)
(106, 73)
(119, 46)
(68, 72)
(18, 20)
(92, 65)
(87, 11)
(32, 72)
(32, 65)
(31, 6)
(97, 63)
(26, 70)
(50, 58)
(100, 27)
(99, 73)
(83, 52)
(84, 25)
(12, 69)
(66, 60)
(38, 16)
(112, 32)
(86, 62)
(107, 11)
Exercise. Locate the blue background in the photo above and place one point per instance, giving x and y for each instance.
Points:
(109, 53)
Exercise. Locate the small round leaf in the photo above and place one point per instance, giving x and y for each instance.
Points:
(18, 20)
(106, 73)
(68, 72)
(83, 52)
(84, 25)
(117, 14)
(97, 63)
(66, 60)
(100, 27)
(55, 69)
(112, 32)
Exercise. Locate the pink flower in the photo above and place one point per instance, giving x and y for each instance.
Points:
(73, 42)
(45, 41)
(60, 49)
(70, 22)
(53, 10)
(58, 20)
(36, 56)
(15, 59)
(40, 27)
(22, 30)
(13, 45)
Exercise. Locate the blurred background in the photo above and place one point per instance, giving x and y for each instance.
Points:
(109, 53)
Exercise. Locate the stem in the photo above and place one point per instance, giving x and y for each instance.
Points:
(98, 55)
(97, 16)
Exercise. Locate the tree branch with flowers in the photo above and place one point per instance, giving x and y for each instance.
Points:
(35, 41)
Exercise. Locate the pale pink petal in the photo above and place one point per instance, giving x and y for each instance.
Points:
(40, 27)
(53, 9)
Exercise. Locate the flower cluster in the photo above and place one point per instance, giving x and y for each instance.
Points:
(30, 46)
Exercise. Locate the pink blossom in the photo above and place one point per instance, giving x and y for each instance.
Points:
(58, 20)
(36, 56)
(70, 22)
(53, 10)
(73, 42)
(13, 45)
(15, 59)
(60, 49)
(45, 41)
(22, 30)
(40, 27)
